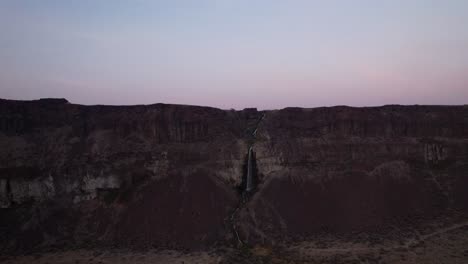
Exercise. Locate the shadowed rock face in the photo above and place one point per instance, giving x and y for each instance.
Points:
(166, 175)
(341, 170)
(118, 174)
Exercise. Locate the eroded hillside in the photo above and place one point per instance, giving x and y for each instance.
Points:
(174, 176)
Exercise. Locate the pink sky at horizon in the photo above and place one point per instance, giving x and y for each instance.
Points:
(236, 54)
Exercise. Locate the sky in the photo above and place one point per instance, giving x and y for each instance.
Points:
(236, 53)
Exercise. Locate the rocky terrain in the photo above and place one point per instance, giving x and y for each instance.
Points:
(169, 183)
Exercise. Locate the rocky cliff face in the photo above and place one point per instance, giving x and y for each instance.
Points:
(174, 176)
(345, 170)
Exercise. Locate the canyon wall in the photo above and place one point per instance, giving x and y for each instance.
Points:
(344, 170)
(172, 175)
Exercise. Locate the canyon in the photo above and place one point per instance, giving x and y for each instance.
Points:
(329, 184)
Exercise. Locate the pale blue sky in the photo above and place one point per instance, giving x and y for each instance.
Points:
(236, 53)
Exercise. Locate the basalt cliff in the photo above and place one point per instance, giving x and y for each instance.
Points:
(194, 178)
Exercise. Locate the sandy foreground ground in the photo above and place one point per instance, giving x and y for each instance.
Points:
(446, 245)
(87, 256)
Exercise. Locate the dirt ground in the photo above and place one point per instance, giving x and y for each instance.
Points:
(87, 256)
(446, 245)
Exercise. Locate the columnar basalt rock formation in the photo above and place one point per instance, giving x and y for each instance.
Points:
(342, 169)
(167, 175)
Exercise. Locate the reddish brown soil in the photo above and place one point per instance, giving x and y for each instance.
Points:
(186, 211)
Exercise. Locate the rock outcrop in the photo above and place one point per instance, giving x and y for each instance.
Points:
(357, 170)
(172, 175)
